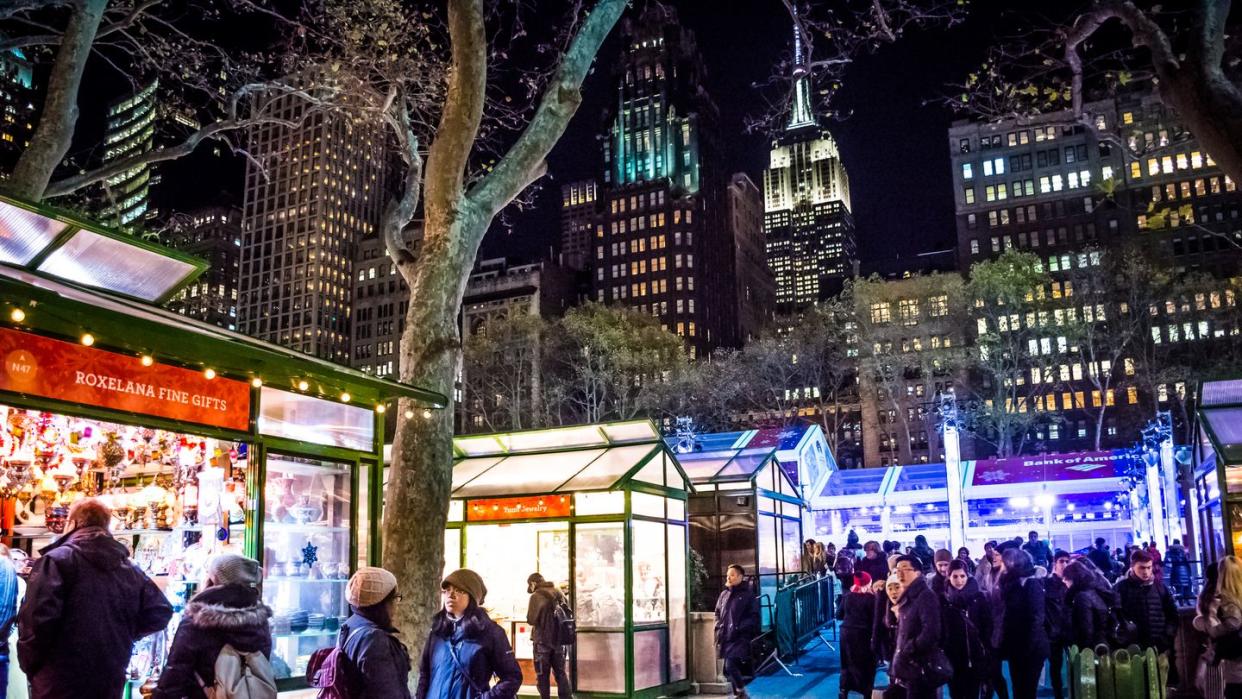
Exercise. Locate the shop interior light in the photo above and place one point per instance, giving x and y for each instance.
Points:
(256, 382)
(303, 385)
(17, 315)
(409, 415)
(1108, 505)
(1019, 501)
(1070, 507)
(147, 360)
(1045, 499)
(209, 373)
(88, 339)
(345, 397)
(427, 414)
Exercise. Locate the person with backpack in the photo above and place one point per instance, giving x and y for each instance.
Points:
(551, 630)
(843, 568)
(86, 605)
(223, 642)
(378, 664)
(465, 648)
(737, 624)
(1088, 601)
(1224, 626)
(968, 625)
(1101, 557)
(1024, 638)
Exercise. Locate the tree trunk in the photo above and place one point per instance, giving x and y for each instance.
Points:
(420, 481)
(52, 138)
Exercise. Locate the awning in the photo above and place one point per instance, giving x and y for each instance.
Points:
(1220, 411)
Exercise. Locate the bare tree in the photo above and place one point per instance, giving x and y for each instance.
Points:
(1184, 49)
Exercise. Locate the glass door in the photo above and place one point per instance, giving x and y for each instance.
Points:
(307, 528)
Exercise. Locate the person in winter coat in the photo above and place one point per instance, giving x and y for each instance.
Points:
(1227, 621)
(1056, 618)
(1088, 602)
(968, 625)
(1147, 603)
(1038, 549)
(1101, 557)
(925, 554)
(873, 562)
(1024, 637)
(86, 605)
(884, 636)
(987, 573)
(812, 559)
(940, 578)
(737, 624)
(465, 648)
(549, 659)
(1209, 674)
(852, 543)
(919, 636)
(963, 555)
(226, 611)
(857, 615)
(1177, 563)
(380, 662)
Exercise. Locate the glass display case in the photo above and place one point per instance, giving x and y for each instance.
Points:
(306, 555)
(599, 510)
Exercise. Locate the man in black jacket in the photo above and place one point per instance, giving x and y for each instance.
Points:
(1056, 619)
(1147, 603)
(737, 624)
(1101, 557)
(918, 630)
(86, 606)
(549, 653)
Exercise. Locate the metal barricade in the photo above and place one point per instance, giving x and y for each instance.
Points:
(801, 610)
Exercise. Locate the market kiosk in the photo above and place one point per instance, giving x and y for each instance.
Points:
(1218, 466)
(601, 511)
(745, 510)
(202, 440)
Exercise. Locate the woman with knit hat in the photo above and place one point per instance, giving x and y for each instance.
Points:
(465, 648)
(857, 615)
(369, 639)
(226, 611)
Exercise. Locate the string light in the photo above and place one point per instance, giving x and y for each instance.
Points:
(303, 385)
(209, 373)
(380, 408)
(147, 360)
(256, 382)
(17, 315)
(88, 339)
(345, 397)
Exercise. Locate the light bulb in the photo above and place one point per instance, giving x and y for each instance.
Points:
(345, 397)
(303, 385)
(17, 315)
(380, 409)
(409, 415)
(256, 382)
(147, 360)
(209, 373)
(88, 339)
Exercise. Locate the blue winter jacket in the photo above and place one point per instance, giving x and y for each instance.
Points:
(382, 662)
(482, 650)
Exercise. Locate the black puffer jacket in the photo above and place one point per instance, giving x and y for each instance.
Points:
(968, 626)
(918, 631)
(1152, 609)
(1023, 634)
(1089, 619)
(1056, 611)
(86, 605)
(219, 615)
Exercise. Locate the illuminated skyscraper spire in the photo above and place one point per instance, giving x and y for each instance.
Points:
(801, 114)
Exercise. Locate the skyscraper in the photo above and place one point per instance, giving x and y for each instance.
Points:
(213, 234)
(130, 131)
(312, 193)
(579, 210)
(807, 216)
(662, 246)
(755, 289)
(17, 107)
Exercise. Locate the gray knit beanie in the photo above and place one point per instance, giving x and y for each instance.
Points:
(229, 568)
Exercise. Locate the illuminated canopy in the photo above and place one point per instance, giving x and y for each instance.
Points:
(1220, 410)
(59, 245)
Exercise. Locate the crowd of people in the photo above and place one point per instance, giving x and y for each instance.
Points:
(86, 605)
(936, 618)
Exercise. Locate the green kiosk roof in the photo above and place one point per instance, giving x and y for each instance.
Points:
(69, 277)
(1220, 408)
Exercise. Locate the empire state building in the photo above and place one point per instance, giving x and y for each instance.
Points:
(807, 223)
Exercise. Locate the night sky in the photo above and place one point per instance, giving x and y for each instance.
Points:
(893, 144)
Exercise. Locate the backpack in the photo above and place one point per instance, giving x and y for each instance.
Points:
(564, 628)
(241, 676)
(844, 567)
(330, 671)
(1120, 631)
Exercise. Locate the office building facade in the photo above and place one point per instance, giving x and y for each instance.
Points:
(755, 288)
(18, 110)
(213, 234)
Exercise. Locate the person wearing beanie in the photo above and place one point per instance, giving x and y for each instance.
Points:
(379, 662)
(465, 648)
(226, 611)
(857, 615)
(884, 631)
(549, 659)
(940, 579)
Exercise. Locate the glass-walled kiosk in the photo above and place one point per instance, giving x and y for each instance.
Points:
(599, 510)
